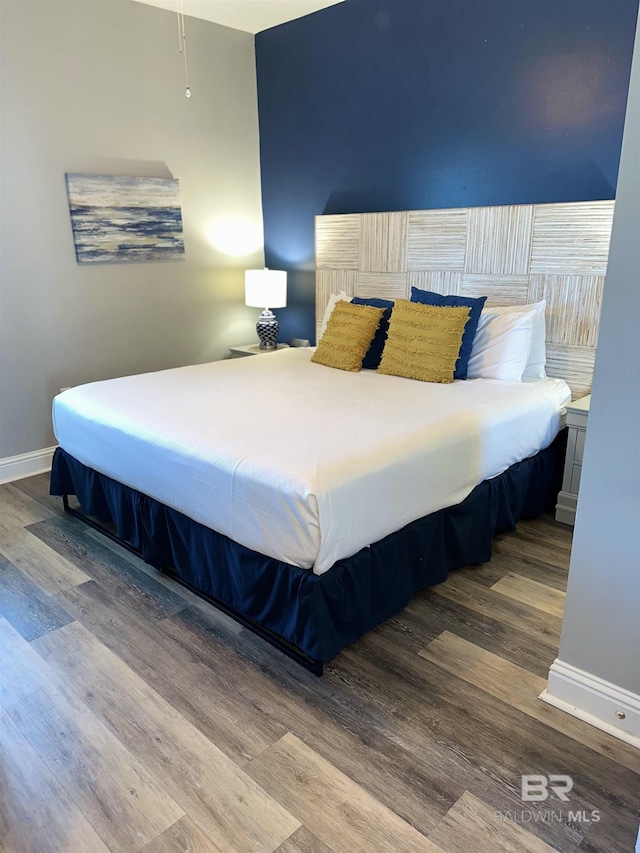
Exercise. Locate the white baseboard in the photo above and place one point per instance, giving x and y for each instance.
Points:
(26, 464)
(594, 700)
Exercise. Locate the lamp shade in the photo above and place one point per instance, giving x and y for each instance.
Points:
(265, 288)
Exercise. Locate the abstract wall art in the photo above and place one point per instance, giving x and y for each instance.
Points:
(119, 219)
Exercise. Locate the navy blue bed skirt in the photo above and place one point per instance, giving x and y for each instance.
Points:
(318, 614)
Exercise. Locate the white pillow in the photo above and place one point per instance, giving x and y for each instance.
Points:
(331, 304)
(535, 368)
(502, 345)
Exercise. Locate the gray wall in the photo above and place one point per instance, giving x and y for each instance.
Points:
(99, 87)
(601, 631)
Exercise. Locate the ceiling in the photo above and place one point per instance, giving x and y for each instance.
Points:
(252, 16)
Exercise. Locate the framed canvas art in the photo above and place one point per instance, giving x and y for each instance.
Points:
(118, 219)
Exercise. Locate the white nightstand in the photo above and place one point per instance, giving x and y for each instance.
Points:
(253, 349)
(577, 414)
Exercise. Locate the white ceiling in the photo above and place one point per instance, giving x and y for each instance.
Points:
(249, 15)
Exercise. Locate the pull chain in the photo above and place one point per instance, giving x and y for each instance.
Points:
(182, 44)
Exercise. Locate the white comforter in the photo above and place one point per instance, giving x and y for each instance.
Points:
(299, 461)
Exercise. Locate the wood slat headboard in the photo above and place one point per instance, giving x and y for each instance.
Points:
(513, 255)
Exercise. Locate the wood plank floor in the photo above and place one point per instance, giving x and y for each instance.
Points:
(135, 717)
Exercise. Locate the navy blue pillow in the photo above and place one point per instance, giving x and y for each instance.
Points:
(371, 361)
(427, 297)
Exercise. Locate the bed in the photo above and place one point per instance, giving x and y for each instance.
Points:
(312, 503)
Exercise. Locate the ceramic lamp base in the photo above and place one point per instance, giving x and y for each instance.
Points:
(267, 329)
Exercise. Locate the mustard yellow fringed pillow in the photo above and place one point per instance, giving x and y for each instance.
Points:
(348, 335)
(423, 341)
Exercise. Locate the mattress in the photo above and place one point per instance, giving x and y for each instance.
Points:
(298, 461)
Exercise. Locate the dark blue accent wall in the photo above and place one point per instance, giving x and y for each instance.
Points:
(376, 105)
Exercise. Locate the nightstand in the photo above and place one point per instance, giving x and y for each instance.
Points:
(577, 414)
(253, 349)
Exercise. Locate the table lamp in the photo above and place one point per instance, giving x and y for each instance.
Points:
(266, 288)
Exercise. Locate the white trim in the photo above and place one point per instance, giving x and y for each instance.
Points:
(26, 464)
(594, 700)
(566, 508)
